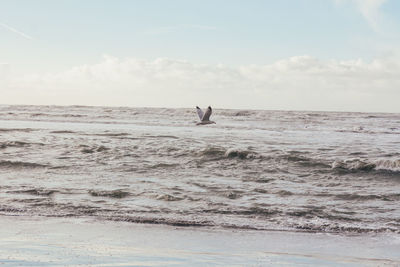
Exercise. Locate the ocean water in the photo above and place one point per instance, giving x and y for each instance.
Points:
(266, 170)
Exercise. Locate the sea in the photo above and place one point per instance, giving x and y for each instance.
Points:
(330, 172)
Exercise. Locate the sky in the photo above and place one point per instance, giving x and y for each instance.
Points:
(328, 55)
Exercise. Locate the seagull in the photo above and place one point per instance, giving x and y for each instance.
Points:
(204, 117)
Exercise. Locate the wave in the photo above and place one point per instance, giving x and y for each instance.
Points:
(89, 150)
(217, 153)
(236, 113)
(212, 151)
(298, 158)
(311, 226)
(300, 221)
(307, 219)
(112, 194)
(244, 113)
(73, 115)
(340, 229)
(305, 161)
(39, 114)
(25, 130)
(112, 134)
(391, 165)
(360, 129)
(359, 197)
(63, 132)
(35, 191)
(13, 144)
(21, 165)
(168, 197)
(163, 165)
(57, 115)
(251, 211)
(236, 153)
(347, 165)
(356, 165)
(7, 144)
(160, 136)
(164, 221)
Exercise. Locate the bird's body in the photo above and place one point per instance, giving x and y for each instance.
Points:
(205, 122)
(204, 117)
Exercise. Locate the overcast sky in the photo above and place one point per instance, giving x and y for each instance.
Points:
(341, 55)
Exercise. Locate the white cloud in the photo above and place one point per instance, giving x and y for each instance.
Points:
(301, 82)
(369, 9)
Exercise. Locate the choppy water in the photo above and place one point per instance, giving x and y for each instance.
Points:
(283, 170)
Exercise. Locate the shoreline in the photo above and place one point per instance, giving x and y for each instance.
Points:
(43, 241)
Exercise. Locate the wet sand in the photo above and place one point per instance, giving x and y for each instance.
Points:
(27, 241)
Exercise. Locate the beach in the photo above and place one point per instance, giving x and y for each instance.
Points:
(27, 241)
(200, 133)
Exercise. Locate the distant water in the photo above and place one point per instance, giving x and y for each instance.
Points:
(279, 170)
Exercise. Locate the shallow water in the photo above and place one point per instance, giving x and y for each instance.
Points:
(33, 241)
(281, 170)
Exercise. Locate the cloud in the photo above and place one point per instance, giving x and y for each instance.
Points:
(369, 9)
(301, 82)
(12, 29)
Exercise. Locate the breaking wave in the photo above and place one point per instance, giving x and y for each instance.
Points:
(231, 153)
(355, 165)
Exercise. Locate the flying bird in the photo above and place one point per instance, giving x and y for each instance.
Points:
(204, 117)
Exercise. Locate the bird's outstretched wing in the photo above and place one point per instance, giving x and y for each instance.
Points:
(207, 115)
(199, 112)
